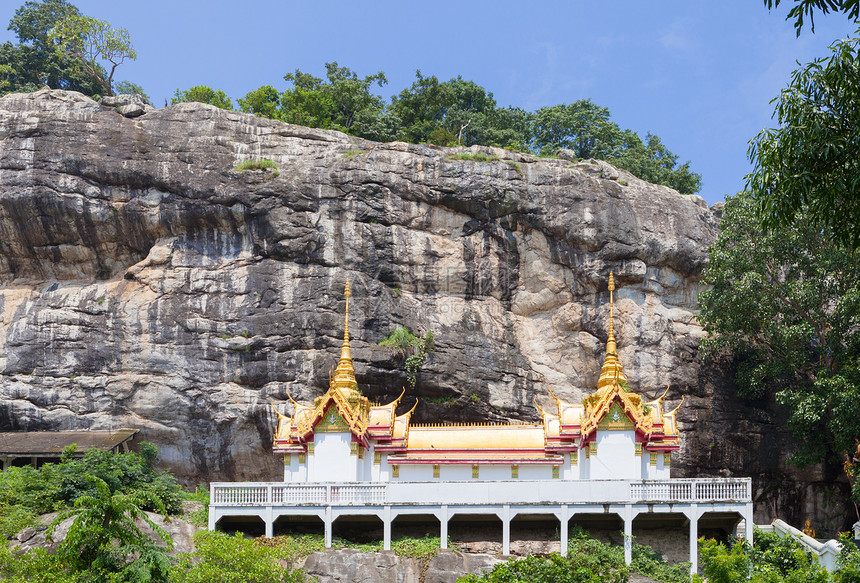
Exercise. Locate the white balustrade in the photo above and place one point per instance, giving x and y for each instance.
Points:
(501, 492)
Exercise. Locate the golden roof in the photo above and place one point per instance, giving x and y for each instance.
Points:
(476, 437)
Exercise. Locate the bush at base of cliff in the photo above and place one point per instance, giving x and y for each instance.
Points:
(35, 566)
(772, 559)
(233, 559)
(650, 563)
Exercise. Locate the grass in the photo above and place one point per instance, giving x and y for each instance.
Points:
(442, 400)
(623, 182)
(515, 165)
(261, 164)
(474, 398)
(352, 154)
(476, 157)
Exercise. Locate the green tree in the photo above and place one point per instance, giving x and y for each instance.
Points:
(651, 160)
(34, 62)
(804, 8)
(785, 305)
(335, 103)
(104, 540)
(263, 102)
(131, 88)
(202, 94)
(582, 126)
(808, 168)
(88, 41)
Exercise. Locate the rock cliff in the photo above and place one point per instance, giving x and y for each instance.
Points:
(148, 283)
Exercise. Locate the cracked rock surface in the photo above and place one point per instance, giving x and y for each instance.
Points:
(147, 283)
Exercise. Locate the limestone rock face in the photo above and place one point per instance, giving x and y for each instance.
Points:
(386, 567)
(147, 283)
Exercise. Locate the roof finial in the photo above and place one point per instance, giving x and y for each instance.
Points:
(344, 374)
(611, 371)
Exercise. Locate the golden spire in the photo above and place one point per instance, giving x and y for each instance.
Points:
(611, 372)
(344, 374)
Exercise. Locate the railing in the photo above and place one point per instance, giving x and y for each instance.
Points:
(703, 490)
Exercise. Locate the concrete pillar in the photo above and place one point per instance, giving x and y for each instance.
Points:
(443, 527)
(386, 528)
(748, 523)
(628, 534)
(211, 508)
(694, 538)
(328, 527)
(506, 529)
(564, 517)
(269, 521)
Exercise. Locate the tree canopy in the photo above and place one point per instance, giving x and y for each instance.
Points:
(785, 305)
(808, 168)
(807, 8)
(33, 62)
(202, 94)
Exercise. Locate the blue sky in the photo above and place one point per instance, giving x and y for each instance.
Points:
(698, 74)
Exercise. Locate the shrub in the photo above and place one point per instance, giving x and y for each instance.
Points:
(650, 563)
(35, 566)
(476, 157)
(232, 559)
(261, 164)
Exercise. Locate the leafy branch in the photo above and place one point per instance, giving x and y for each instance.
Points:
(411, 349)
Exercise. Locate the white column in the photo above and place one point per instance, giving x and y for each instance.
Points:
(267, 519)
(211, 507)
(694, 538)
(386, 528)
(628, 534)
(328, 527)
(748, 523)
(563, 518)
(506, 529)
(443, 527)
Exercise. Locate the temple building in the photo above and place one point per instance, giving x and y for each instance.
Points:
(612, 434)
(602, 463)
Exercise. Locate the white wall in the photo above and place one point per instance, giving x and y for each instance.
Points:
(331, 461)
(616, 456)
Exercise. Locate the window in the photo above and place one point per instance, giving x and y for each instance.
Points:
(515, 472)
(377, 458)
(653, 460)
(435, 471)
(474, 472)
(395, 471)
(555, 472)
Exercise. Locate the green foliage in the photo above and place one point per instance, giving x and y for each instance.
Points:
(808, 169)
(785, 304)
(202, 94)
(33, 62)
(91, 42)
(261, 164)
(650, 563)
(105, 542)
(772, 559)
(130, 88)
(35, 566)
(263, 101)
(352, 154)
(412, 349)
(515, 165)
(476, 157)
(804, 8)
(582, 126)
(232, 559)
(15, 518)
(588, 561)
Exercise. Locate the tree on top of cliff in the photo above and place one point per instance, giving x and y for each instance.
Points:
(33, 62)
(202, 94)
(809, 167)
(88, 40)
(785, 305)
